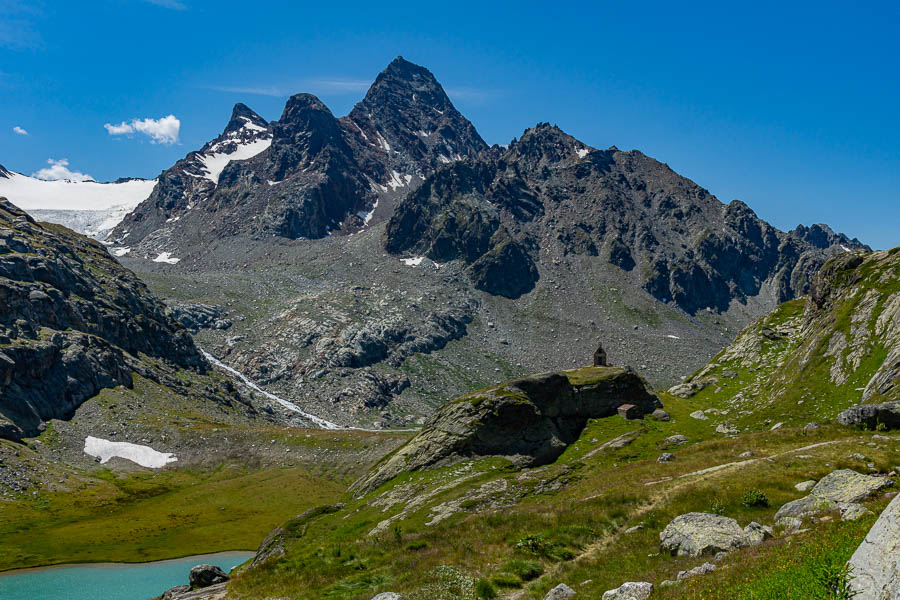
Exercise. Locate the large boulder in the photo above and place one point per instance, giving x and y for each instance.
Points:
(836, 489)
(630, 590)
(702, 534)
(529, 420)
(870, 416)
(875, 566)
(560, 592)
(203, 576)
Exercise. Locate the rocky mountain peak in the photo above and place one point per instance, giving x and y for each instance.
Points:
(822, 236)
(3, 172)
(399, 81)
(545, 144)
(305, 113)
(407, 115)
(241, 116)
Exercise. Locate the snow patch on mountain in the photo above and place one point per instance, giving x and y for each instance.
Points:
(166, 257)
(215, 163)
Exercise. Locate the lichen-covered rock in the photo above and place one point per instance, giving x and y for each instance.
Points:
(757, 534)
(854, 511)
(560, 592)
(387, 596)
(701, 534)
(630, 590)
(805, 486)
(835, 489)
(875, 566)
(529, 420)
(696, 571)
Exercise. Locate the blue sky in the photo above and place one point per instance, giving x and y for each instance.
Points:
(793, 109)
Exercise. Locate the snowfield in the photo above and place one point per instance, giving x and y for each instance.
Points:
(136, 453)
(87, 207)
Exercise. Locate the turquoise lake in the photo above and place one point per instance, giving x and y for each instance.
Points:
(109, 581)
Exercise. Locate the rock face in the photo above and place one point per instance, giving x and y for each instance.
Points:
(871, 416)
(72, 322)
(836, 489)
(501, 213)
(529, 420)
(875, 565)
(702, 534)
(203, 576)
(309, 173)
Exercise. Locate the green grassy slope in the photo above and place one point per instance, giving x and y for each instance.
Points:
(481, 527)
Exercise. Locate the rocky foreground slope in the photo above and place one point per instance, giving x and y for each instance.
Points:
(73, 322)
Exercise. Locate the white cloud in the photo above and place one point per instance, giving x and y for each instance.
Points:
(19, 130)
(160, 131)
(59, 169)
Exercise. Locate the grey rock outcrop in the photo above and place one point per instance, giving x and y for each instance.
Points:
(560, 592)
(530, 420)
(696, 571)
(702, 534)
(757, 534)
(870, 416)
(875, 566)
(805, 486)
(203, 576)
(630, 590)
(838, 488)
(387, 596)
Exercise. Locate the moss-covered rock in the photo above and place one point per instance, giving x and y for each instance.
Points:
(529, 420)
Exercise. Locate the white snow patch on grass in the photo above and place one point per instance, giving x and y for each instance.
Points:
(166, 257)
(214, 164)
(413, 262)
(136, 453)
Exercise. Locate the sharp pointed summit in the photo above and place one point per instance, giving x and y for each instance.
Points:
(407, 115)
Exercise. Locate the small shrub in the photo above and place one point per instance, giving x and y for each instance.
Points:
(506, 580)
(717, 508)
(535, 544)
(526, 570)
(753, 498)
(417, 545)
(485, 590)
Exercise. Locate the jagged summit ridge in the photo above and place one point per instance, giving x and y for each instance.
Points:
(549, 195)
(309, 174)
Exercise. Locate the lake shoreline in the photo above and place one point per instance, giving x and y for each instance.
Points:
(120, 564)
